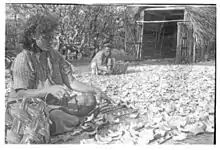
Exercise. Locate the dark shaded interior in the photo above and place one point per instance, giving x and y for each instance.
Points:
(159, 39)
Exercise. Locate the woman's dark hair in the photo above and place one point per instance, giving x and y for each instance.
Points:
(36, 25)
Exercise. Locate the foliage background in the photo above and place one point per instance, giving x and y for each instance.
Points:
(84, 27)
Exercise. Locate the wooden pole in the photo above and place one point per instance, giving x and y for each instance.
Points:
(141, 40)
(190, 40)
(125, 28)
(161, 28)
(156, 39)
(161, 21)
(138, 39)
(202, 54)
(167, 8)
(207, 51)
(15, 36)
(142, 34)
(130, 31)
(178, 46)
(194, 50)
(161, 44)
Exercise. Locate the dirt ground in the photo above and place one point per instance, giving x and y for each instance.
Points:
(83, 68)
(206, 138)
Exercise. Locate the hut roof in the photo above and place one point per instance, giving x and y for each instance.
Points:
(202, 18)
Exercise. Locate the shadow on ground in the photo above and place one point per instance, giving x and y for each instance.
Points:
(168, 62)
(83, 65)
(205, 138)
(130, 71)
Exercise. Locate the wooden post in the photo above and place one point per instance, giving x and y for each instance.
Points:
(156, 39)
(161, 45)
(202, 54)
(141, 40)
(15, 36)
(142, 34)
(208, 50)
(206, 57)
(133, 38)
(161, 21)
(190, 40)
(125, 29)
(194, 50)
(178, 45)
(138, 31)
(162, 29)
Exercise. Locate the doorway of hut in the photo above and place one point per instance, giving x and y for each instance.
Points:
(160, 33)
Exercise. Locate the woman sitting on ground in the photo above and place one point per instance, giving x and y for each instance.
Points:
(40, 70)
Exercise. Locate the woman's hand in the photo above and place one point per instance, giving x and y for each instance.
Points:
(56, 90)
(99, 94)
(84, 88)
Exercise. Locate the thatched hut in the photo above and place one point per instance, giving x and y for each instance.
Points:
(186, 33)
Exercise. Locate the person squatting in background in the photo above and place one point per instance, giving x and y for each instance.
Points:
(103, 63)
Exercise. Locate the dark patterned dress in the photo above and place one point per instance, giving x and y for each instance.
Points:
(30, 71)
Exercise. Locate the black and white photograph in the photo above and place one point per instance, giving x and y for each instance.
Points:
(104, 74)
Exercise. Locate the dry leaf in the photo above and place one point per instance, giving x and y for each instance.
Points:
(87, 141)
(102, 140)
(134, 115)
(165, 95)
(209, 127)
(89, 118)
(160, 132)
(177, 122)
(146, 136)
(13, 138)
(180, 137)
(114, 134)
(196, 128)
